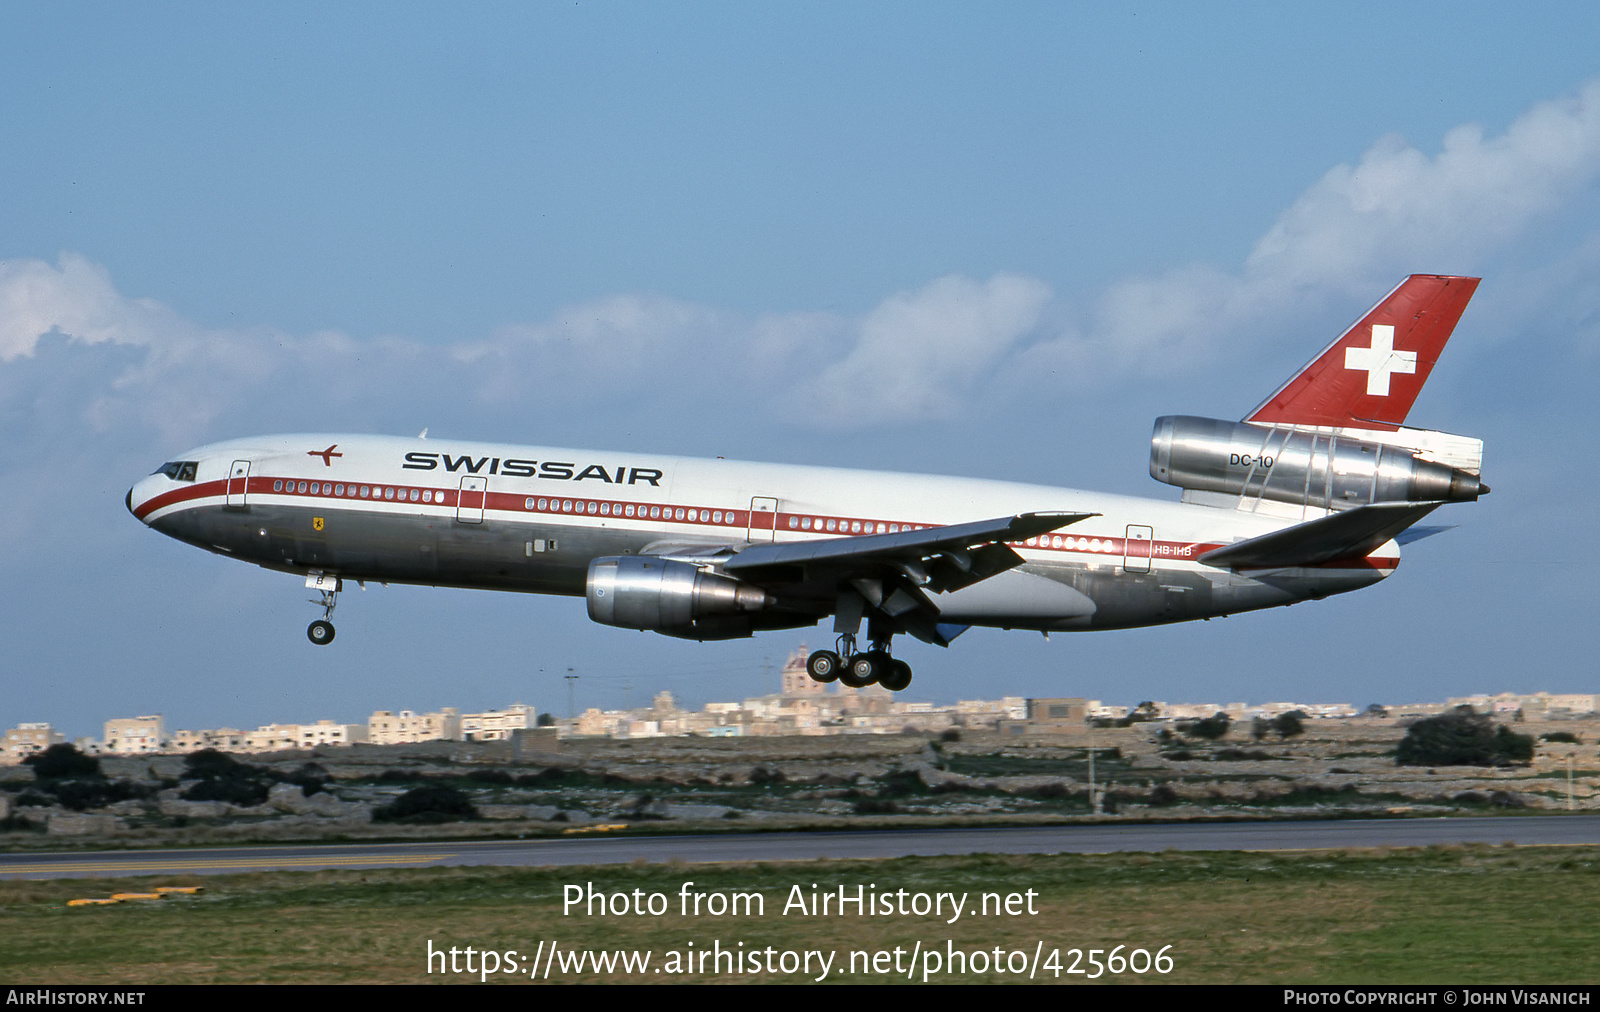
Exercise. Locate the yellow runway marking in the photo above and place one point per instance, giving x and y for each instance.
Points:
(231, 863)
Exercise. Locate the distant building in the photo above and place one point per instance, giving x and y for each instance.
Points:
(134, 735)
(223, 739)
(497, 725)
(26, 739)
(797, 681)
(389, 728)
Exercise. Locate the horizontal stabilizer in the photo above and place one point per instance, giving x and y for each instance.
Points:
(1416, 534)
(1351, 534)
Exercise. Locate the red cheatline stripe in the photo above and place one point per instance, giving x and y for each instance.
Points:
(563, 506)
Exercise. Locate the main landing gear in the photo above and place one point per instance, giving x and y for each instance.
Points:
(859, 670)
(320, 632)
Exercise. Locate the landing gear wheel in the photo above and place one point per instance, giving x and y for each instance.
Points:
(897, 678)
(320, 632)
(823, 666)
(862, 670)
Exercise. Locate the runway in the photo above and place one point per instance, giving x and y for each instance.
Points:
(1544, 830)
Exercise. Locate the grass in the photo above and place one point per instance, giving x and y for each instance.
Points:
(1460, 915)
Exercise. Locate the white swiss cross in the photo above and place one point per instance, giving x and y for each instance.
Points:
(1380, 360)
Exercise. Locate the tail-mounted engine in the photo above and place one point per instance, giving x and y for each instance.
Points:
(667, 596)
(1327, 468)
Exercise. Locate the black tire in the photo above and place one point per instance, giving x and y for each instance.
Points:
(823, 666)
(861, 671)
(320, 632)
(897, 678)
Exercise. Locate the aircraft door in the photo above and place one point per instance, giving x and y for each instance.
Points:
(763, 519)
(469, 506)
(238, 483)
(1136, 548)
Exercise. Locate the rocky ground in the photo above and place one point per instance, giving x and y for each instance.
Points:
(1337, 767)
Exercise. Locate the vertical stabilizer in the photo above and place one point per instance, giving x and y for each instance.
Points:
(1371, 375)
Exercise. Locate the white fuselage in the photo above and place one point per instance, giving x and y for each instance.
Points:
(501, 516)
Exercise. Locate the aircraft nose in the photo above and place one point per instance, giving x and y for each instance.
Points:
(139, 494)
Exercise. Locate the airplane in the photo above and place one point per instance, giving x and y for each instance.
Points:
(1310, 494)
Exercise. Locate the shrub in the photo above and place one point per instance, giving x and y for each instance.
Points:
(900, 782)
(82, 795)
(546, 776)
(1462, 739)
(430, 803)
(223, 778)
(62, 760)
(1290, 724)
(210, 764)
(246, 792)
(950, 734)
(876, 806)
(1212, 728)
(1239, 754)
(1562, 736)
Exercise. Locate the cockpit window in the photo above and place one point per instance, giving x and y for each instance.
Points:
(179, 470)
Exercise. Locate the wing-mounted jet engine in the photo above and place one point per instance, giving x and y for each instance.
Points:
(671, 596)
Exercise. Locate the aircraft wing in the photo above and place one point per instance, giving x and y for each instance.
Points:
(1350, 534)
(938, 558)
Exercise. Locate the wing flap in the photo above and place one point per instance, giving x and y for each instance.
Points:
(1350, 534)
(937, 558)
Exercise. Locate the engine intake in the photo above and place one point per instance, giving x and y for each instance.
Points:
(1324, 469)
(664, 595)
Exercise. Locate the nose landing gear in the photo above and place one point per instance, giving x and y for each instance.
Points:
(327, 587)
(320, 632)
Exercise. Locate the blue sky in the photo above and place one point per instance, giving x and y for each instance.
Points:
(993, 239)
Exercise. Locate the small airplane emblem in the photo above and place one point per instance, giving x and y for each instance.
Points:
(326, 455)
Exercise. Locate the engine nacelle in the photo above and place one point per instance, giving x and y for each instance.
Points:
(1331, 470)
(664, 595)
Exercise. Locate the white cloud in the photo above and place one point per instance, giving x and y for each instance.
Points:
(1399, 210)
(919, 353)
(76, 298)
(1353, 234)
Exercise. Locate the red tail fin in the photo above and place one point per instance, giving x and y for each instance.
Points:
(1371, 375)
